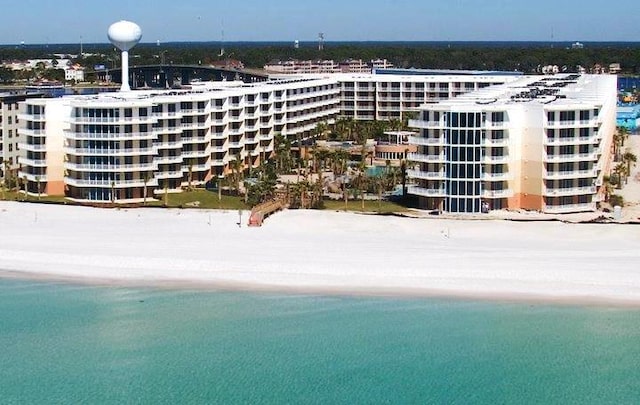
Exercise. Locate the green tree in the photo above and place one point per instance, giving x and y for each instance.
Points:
(630, 159)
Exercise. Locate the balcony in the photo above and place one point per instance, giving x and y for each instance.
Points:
(113, 120)
(167, 160)
(496, 142)
(169, 175)
(417, 140)
(418, 157)
(497, 193)
(426, 124)
(167, 130)
(33, 177)
(583, 140)
(502, 159)
(116, 168)
(32, 147)
(569, 191)
(195, 168)
(418, 174)
(32, 162)
(32, 117)
(569, 208)
(32, 132)
(570, 174)
(427, 192)
(82, 136)
(110, 183)
(195, 154)
(576, 157)
(496, 176)
(168, 145)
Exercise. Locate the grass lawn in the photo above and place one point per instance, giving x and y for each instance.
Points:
(201, 199)
(369, 206)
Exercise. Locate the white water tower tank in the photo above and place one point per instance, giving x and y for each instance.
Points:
(124, 35)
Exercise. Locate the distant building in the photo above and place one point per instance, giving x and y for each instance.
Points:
(228, 64)
(74, 73)
(614, 68)
(293, 66)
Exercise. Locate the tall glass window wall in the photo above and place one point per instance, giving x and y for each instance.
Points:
(464, 167)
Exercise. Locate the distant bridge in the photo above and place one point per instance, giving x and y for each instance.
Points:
(167, 76)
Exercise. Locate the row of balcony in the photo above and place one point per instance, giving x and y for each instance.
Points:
(442, 158)
(442, 141)
(442, 175)
(441, 192)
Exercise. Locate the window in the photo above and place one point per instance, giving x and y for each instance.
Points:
(551, 116)
(9, 119)
(10, 147)
(10, 133)
(497, 116)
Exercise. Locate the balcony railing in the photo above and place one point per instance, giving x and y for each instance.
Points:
(417, 140)
(427, 192)
(418, 174)
(110, 167)
(569, 191)
(109, 183)
(497, 193)
(417, 157)
(568, 208)
(570, 174)
(32, 162)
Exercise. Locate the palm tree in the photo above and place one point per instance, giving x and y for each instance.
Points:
(190, 175)
(619, 137)
(145, 179)
(620, 171)
(629, 158)
(321, 130)
(7, 174)
(236, 174)
(607, 187)
(38, 184)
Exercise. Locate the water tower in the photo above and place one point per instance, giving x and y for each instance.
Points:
(124, 35)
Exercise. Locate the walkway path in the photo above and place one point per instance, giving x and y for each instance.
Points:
(631, 191)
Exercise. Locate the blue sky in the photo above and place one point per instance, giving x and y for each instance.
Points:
(66, 21)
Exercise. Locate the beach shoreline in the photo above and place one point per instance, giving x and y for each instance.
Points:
(326, 253)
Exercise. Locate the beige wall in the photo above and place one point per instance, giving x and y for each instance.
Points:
(57, 114)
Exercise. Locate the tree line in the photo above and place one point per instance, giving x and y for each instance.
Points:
(524, 57)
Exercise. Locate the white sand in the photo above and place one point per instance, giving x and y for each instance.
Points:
(311, 251)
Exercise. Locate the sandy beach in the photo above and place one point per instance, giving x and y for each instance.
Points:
(327, 252)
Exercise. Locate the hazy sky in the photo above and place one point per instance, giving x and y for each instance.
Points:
(66, 21)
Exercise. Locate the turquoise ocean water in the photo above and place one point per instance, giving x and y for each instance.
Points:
(77, 344)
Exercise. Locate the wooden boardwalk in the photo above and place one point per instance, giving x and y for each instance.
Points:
(262, 211)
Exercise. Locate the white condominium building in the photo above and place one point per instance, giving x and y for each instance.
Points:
(387, 96)
(540, 143)
(124, 146)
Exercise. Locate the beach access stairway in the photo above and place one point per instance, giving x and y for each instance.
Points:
(263, 210)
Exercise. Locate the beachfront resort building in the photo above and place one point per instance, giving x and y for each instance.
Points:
(539, 143)
(127, 145)
(131, 144)
(11, 104)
